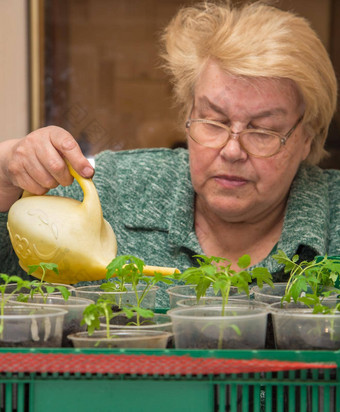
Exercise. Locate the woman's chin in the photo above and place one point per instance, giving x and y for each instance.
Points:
(232, 212)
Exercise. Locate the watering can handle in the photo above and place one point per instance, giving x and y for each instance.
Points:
(91, 203)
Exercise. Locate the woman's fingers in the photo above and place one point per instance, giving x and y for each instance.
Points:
(37, 162)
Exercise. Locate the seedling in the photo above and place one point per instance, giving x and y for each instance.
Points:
(122, 271)
(311, 282)
(216, 272)
(44, 288)
(5, 297)
(33, 286)
(103, 309)
(128, 269)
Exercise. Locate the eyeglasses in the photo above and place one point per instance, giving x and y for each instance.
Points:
(255, 142)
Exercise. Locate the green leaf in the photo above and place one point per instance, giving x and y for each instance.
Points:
(49, 289)
(112, 287)
(308, 300)
(244, 262)
(319, 308)
(123, 265)
(298, 287)
(129, 312)
(15, 279)
(201, 288)
(236, 329)
(295, 258)
(32, 269)
(93, 313)
(43, 266)
(145, 313)
(64, 292)
(50, 266)
(4, 277)
(22, 297)
(283, 259)
(262, 275)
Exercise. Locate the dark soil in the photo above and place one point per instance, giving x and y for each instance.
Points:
(51, 343)
(122, 320)
(72, 327)
(300, 344)
(270, 340)
(195, 340)
(306, 336)
(171, 343)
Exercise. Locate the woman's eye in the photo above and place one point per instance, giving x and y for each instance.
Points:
(213, 117)
(268, 127)
(222, 121)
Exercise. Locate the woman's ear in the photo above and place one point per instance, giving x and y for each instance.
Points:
(307, 139)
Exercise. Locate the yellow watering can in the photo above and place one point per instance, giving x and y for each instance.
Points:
(72, 234)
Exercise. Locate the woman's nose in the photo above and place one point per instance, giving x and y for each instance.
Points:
(232, 150)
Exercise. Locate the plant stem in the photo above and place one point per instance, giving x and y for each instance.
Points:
(2, 323)
(3, 303)
(225, 296)
(107, 321)
(140, 299)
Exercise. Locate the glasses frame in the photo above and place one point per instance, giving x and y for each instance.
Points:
(283, 137)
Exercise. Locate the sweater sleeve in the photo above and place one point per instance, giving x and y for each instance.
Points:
(9, 263)
(334, 208)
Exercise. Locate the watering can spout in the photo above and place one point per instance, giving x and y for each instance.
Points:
(70, 233)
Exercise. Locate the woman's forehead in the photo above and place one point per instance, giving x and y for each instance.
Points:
(215, 89)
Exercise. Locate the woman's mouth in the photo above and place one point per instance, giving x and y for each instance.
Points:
(230, 181)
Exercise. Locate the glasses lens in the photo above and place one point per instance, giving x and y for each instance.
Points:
(253, 141)
(208, 134)
(260, 144)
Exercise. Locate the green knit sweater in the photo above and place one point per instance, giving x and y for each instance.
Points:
(148, 199)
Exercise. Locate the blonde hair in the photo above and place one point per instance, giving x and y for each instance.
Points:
(254, 40)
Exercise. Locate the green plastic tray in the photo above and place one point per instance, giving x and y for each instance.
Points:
(54, 380)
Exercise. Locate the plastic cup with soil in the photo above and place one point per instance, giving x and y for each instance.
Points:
(297, 327)
(74, 307)
(274, 295)
(243, 326)
(27, 326)
(121, 338)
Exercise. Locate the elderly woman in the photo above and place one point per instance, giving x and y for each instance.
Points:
(257, 92)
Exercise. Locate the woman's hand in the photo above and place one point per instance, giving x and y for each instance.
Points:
(36, 163)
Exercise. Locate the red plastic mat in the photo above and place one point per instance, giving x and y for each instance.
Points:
(143, 364)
